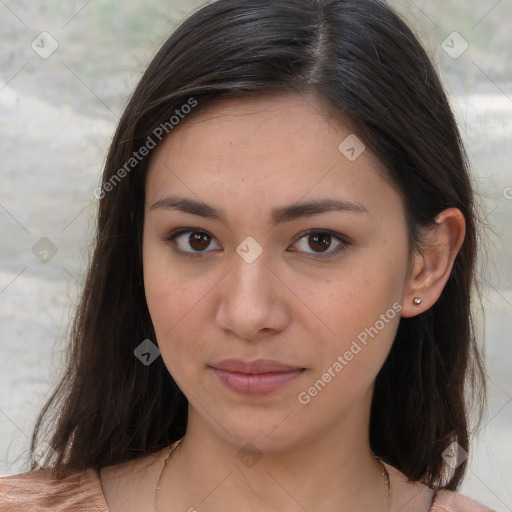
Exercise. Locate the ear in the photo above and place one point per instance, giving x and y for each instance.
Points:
(431, 266)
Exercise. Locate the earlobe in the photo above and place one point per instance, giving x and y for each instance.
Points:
(432, 267)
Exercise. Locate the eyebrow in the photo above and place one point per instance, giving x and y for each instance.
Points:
(281, 214)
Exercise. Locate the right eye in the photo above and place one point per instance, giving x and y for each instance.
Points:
(190, 238)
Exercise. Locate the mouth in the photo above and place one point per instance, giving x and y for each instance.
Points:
(258, 366)
(260, 377)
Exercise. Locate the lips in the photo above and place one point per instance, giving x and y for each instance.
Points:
(253, 367)
(259, 377)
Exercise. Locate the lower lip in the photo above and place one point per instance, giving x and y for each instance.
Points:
(258, 383)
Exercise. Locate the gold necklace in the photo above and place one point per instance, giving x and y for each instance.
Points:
(387, 482)
(173, 447)
(384, 473)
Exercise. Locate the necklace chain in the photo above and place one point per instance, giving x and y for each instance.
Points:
(173, 447)
(387, 483)
(384, 473)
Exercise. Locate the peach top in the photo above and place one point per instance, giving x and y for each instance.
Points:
(81, 491)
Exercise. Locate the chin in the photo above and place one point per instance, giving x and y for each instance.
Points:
(262, 436)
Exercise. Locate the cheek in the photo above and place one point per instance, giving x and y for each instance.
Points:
(358, 309)
(169, 298)
(177, 300)
(356, 334)
(174, 320)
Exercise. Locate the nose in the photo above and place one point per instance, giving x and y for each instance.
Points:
(252, 300)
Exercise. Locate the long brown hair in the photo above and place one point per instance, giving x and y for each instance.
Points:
(360, 60)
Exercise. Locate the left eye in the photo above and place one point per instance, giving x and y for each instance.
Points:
(197, 242)
(321, 242)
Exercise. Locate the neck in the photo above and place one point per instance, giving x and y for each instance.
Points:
(330, 471)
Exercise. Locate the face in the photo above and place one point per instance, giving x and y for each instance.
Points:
(297, 253)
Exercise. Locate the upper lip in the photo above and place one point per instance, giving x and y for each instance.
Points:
(256, 366)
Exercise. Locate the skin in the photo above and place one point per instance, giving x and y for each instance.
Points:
(248, 157)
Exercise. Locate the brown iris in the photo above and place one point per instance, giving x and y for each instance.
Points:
(319, 241)
(199, 241)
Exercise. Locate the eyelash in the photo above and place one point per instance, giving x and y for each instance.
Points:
(343, 242)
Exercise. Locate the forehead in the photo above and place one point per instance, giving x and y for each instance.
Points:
(278, 149)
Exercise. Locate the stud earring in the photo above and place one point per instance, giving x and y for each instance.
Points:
(417, 301)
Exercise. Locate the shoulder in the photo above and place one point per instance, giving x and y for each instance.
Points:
(449, 501)
(416, 496)
(45, 490)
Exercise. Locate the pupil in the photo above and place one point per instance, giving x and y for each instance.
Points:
(199, 241)
(321, 239)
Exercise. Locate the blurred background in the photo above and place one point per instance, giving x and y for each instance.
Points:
(66, 71)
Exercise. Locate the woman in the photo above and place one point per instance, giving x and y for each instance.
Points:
(277, 311)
